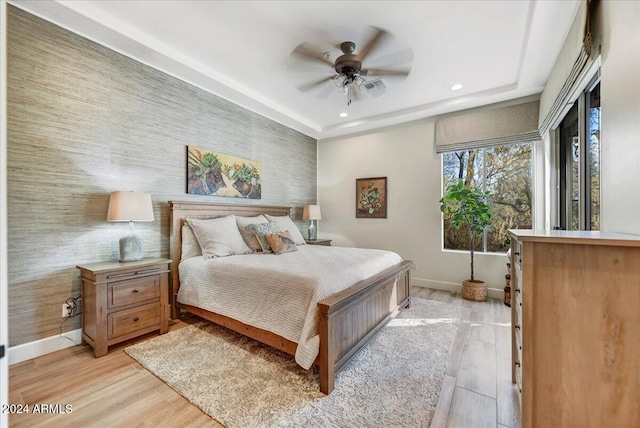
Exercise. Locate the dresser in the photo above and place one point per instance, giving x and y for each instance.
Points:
(121, 301)
(575, 316)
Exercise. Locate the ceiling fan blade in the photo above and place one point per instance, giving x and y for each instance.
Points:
(311, 85)
(373, 42)
(382, 72)
(402, 57)
(309, 51)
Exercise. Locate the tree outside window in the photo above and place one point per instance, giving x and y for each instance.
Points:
(505, 171)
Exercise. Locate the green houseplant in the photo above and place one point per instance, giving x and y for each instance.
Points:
(469, 208)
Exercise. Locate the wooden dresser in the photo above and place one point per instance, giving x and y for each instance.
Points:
(576, 328)
(121, 301)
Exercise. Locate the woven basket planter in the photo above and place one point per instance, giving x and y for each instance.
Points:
(476, 290)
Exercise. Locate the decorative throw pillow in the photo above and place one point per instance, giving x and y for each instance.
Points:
(285, 223)
(190, 246)
(219, 237)
(260, 231)
(248, 236)
(281, 242)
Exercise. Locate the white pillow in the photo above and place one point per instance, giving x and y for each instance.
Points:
(285, 223)
(190, 246)
(219, 237)
(248, 236)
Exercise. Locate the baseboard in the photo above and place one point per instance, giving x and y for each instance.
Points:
(495, 293)
(37, 348)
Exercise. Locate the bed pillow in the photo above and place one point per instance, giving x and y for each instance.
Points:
(248, 236)
(190, 246)
(285, 223)
(281, 242)
(260, 231)
(219, 237)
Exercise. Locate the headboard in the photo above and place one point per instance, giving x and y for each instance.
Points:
(181, 210)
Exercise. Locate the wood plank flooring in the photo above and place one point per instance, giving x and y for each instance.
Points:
(116, 391)
(477, 389)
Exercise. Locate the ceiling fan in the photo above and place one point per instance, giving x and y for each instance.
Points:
(350, 74)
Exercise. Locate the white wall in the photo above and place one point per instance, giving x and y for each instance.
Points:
(620, 97)
(405, 155)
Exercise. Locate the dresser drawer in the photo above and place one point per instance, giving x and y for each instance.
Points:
(132, 291)
(134, 319)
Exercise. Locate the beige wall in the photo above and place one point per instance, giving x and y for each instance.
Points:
(84, 121)
(620, 97)
(403, 154)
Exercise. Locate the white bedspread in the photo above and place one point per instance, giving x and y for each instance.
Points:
(279, 293)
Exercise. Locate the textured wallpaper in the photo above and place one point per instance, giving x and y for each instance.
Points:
(84, 121)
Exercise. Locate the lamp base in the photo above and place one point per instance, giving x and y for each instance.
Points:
(130, 248)
(312, 232)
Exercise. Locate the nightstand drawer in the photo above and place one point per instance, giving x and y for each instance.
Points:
(134, 291)
(134, 319)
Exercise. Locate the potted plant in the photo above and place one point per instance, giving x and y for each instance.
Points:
(469, 208)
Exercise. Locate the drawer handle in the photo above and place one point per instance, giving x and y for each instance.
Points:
(136, 319)
(520, 347)
(135, 290)
(517, 327)
(517, 363)
(517, 290)
(520, 304)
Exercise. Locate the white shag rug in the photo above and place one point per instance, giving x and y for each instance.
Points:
(394, 381)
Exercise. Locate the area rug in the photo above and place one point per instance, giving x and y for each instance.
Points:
(394, 381)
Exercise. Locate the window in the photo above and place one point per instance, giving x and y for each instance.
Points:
(579, 163)
(505, 171)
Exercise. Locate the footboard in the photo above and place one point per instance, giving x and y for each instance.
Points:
(350, 318)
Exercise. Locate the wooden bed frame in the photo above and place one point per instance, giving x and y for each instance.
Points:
(347, 320)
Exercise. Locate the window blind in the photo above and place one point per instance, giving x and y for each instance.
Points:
(489, 126)
(567, 70)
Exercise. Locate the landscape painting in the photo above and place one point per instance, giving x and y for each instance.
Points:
(216, 174)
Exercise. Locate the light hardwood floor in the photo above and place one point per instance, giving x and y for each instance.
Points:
(116, 391)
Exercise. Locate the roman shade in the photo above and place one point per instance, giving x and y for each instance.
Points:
(568, 69)
(490, 126)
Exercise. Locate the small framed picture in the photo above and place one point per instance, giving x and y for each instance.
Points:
(371, 197)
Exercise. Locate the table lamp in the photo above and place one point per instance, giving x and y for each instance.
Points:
(312, 212)
(130, 206)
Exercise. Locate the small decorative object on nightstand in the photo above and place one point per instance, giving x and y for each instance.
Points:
(325, 242)
(130, 206)
(123, 301)
(312, 212)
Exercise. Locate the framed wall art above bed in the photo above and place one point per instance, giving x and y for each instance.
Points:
(217, 174)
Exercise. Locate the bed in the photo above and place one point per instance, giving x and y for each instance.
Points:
(345, 321)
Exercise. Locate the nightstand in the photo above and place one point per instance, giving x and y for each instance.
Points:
(326, 242)
(121, 301)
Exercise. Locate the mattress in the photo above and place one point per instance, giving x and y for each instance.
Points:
(279, 293)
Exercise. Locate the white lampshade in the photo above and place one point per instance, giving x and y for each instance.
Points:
(311, 212)
(130, 206)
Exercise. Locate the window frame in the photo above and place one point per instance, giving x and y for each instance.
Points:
(485, 244)
(563, 168)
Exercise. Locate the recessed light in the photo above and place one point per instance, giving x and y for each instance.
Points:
(456, 87)
(343, 115)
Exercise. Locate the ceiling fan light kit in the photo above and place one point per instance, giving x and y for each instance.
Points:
(350, 75)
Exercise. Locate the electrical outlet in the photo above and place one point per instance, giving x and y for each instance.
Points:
(66, 310)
